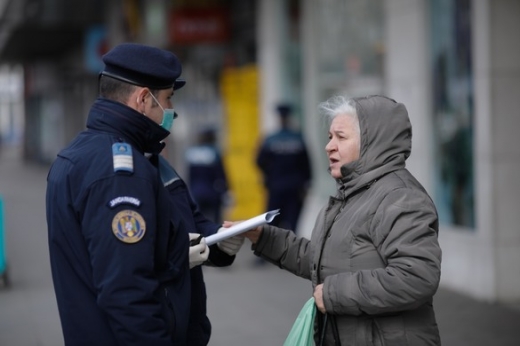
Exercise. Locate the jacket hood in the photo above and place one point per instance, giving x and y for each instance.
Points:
(386, 141)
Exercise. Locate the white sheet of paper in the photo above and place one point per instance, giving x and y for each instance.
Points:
(242, 227)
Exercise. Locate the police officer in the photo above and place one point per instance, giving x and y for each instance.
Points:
(120, 257)
(222, 254)
(207, 176)
(283, 159)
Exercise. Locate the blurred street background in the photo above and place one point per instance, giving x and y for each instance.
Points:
(455, 64)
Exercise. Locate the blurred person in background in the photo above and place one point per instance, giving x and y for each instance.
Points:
(206, 175)
(284, 162)
(221, 254)
(119, 245)
(373, 258)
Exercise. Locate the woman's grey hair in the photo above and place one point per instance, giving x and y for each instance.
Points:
(338, 105)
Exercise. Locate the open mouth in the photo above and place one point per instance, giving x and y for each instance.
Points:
(333, 160)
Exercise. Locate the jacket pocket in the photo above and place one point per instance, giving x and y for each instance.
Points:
(177, 306)
(375, 334)
(168, 310)
(389, 331)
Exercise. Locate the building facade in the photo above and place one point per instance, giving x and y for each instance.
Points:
(455, 64)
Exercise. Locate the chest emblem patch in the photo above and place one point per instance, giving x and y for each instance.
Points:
(128, 226)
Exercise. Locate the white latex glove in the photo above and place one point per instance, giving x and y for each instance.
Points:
(198, 253)
(230, 245)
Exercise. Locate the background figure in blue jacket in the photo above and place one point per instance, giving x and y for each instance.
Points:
(284, 162)
(221, 254)
(206, 175)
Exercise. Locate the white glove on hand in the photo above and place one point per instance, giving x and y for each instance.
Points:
(230, 245)
(198, 253)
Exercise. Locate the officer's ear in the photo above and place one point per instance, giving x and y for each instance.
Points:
(139, 99)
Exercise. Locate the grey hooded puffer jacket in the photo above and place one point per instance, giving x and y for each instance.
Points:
(374, 245)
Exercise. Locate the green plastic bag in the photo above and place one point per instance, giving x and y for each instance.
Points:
(302, 331)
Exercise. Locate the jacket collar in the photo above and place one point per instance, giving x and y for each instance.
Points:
(131, 126)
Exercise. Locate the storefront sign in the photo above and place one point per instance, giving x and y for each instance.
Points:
(193, 26)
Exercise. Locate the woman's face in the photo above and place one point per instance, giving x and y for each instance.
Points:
(344, 143)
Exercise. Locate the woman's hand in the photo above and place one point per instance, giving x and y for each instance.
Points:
(318, 298)
(253, 234)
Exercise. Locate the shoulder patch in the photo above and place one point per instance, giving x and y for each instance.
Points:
(128, 226)
(123, 159)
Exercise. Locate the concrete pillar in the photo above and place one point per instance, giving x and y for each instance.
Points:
(504, 152)
(272, 37)
(408, 77)
(155, 22)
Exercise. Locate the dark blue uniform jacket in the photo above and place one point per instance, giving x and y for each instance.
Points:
(119, 254)
(199, 330)
(207, 177)
(284, 161)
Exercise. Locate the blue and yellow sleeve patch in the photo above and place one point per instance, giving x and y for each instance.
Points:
(128, 226)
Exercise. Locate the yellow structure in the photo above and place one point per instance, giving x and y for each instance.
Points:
(239, 88)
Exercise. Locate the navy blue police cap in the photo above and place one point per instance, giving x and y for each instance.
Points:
(143, 66)
(284, 110)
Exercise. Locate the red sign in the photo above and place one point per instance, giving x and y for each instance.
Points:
(191, 26)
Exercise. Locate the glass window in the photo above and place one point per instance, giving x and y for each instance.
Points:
(350, 46)
(349, 51)
(451, 68)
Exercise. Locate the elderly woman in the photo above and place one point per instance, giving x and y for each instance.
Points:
(373, 258)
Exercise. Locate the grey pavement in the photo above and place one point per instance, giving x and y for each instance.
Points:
(247, 305)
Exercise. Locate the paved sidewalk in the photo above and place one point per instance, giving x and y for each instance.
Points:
(248, 306)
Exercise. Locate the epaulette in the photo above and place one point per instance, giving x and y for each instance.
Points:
(123, 159)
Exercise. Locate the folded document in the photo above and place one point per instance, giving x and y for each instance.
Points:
(242, 227)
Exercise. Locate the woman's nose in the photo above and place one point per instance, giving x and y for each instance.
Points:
(329, 147)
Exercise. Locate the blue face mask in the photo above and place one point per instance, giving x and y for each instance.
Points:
(168, 116)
